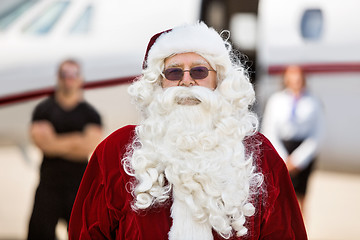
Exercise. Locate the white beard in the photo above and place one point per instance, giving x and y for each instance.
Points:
(198, 148)
(185, 227)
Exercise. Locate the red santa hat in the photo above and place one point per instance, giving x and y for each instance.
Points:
(198, 38)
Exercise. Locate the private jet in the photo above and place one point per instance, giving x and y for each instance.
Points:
(109, 37)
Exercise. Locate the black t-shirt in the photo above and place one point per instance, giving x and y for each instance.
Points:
(64, 121)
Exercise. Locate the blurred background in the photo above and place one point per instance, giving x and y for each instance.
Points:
(109, 38)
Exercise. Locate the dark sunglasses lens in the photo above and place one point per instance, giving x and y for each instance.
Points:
(174, 74)
(199, 72)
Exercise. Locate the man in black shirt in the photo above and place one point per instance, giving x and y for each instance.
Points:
(66, 129)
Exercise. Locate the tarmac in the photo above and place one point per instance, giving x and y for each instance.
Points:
(332, 206)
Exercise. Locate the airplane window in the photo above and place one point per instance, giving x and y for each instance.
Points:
(82, 25)
(8, 17)
(47, 20)
(312, 24)
(244, 23)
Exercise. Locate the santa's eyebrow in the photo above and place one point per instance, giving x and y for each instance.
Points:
(200, 62)
(175, 64)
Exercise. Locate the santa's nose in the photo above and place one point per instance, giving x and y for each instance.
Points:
(187, 80)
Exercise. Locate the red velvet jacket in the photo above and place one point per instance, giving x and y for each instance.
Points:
(102, 209)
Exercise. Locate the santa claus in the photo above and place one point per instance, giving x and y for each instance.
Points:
(195, 167)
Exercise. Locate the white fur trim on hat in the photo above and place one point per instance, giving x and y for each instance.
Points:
(198, 38)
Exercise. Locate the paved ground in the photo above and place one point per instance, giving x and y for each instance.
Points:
(332, 207)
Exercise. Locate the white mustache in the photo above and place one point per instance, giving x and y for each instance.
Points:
(187, 96)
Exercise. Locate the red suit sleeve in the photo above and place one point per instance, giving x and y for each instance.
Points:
(282, 218)
(89, 207)
(99, 200)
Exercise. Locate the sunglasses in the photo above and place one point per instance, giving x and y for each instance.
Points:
(176, 74)
(65, 75)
